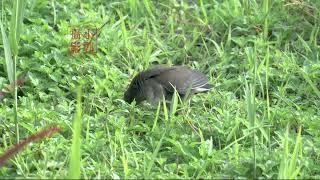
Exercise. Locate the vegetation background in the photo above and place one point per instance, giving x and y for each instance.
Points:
(262, 119)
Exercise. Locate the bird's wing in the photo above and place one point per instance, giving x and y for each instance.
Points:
(181, 78)
(155, 71)
(142, 77)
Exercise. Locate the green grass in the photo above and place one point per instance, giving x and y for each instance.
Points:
(262, 56)
(75, 157)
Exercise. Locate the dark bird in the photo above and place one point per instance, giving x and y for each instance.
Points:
(153, 83)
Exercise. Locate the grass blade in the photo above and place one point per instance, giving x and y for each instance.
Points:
(74, 168)
(33, 137)
(165, 110)
(251, 110)
(7, 54)
(307, 78)
(154, 155)
(288, 167)
(174, 103)
(293, 169)
(16, 24)
(156, 117)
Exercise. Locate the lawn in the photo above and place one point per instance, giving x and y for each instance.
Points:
(261, 119)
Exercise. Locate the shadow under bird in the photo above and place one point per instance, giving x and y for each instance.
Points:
(159, 81)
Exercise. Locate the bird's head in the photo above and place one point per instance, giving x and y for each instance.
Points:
(133, 89)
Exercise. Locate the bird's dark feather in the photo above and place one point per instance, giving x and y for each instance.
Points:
(163, 80)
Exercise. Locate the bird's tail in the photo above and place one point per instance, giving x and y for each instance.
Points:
(204, 88)
(207, 86)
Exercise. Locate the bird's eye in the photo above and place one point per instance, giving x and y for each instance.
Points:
(135, 85)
